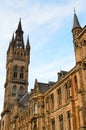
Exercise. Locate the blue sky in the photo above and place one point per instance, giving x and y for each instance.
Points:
(48, 24)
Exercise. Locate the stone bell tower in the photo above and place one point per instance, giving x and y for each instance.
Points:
(16, 85)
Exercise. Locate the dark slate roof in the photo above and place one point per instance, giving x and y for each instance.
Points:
(76, 21)
(43, 87)
(24, 99)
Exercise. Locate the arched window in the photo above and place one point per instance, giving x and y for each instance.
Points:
(21, 90)
(69, 119)
(22, 73)
(67, 88)
(47, 103)
(61, 122)
(35, 125)
(15, 71)
(59, 97)
(52, 101)
(35, 107)
(53, 123)
(14, 90)
(76, 83)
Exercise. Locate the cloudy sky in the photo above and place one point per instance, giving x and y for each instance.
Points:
(48, 24)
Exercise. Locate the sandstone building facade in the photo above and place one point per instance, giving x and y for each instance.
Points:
(59, 105)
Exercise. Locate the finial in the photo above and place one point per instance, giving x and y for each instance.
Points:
(28, 38)
(74, 10)
(19, 19)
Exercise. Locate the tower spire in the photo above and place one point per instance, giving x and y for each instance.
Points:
(19, 43)
(19, 25)
(19, 28)
(28, 45)
(75, 21)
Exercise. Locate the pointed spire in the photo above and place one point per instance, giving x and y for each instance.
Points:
(19, 43)
(28, 44)
(19, 25)
(19, 28)
(76, 21)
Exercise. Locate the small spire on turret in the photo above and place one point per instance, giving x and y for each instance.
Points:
(28, 44)
(75, 21)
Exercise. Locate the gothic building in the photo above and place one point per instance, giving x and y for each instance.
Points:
(59, 105)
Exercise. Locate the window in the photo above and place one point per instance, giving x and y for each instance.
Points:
(22, 73)
(46, 103)
(14, 90)
(59, 97)
(53, 123)
(67, 87)
(76, 83)
(15, 72)
(52, 101)
(69, 120)
(35, 125)
(61, 122)
(35, 108)
(21, 90)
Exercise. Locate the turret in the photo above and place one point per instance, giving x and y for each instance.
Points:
(76, 26)
(76, 30)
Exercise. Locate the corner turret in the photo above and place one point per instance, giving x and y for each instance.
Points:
(79, 38)
(76, 26)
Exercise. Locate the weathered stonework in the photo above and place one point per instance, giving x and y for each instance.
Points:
(57, 105)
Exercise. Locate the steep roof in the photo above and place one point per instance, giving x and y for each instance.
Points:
(43, 87)
(76, 21)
